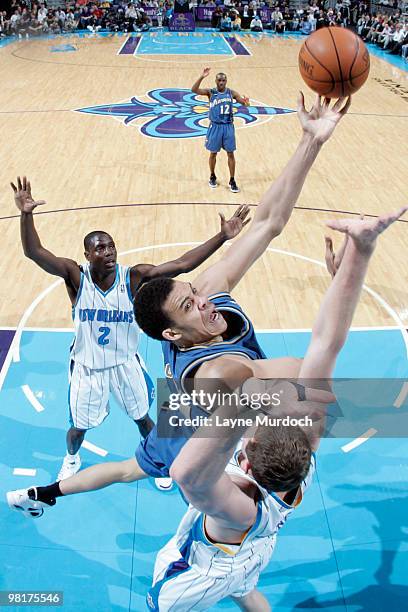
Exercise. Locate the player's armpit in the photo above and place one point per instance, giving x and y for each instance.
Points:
(223, 501)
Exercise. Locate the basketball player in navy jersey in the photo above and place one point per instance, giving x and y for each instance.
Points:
(104, 357)
(221, 132)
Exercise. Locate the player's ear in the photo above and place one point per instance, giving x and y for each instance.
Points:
(86, 253)
(171, 335)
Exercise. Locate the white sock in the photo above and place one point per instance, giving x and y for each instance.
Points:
(72, 458)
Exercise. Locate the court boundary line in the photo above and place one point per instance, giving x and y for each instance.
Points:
(266, 330)
(147, 204)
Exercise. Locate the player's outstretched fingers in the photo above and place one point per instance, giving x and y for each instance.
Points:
(342, 105)
(301, 103)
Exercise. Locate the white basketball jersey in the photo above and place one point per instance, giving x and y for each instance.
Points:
(256, 547)
(106, 333)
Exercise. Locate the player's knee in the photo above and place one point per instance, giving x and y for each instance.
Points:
(77, 434)
(131, 470)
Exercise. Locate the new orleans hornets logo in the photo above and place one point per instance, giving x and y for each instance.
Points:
(175, 113)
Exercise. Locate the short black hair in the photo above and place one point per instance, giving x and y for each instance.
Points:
(148, 306)
(90, 237)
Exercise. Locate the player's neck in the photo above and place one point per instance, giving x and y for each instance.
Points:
(182, 343)
(104, 280)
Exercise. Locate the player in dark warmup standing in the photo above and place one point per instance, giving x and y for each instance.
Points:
(221, 132)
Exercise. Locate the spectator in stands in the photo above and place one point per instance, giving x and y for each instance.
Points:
(70, 22)
(256, 24)
(276, 16)
(305, 25)
(225, 23)
(35, 28)
(322, 20)
(42, 13)
(14, 21)
(394, 43)
(384, 37)
(236, 23)
(280, 26)
(216, 17)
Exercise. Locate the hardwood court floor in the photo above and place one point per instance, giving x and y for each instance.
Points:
(152, 191)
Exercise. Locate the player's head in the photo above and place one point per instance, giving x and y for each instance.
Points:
(277, 457)
(100, 251)
(166, 309)
(221, 81)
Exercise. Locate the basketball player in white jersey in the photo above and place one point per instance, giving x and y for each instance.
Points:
(241, 496)
(104, 355)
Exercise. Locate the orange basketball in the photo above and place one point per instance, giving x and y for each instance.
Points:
(334, 62)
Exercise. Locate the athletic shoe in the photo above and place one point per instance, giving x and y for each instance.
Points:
(233, 186)
(69, 467)
(164, 484)
(19, 500)
(213, 181)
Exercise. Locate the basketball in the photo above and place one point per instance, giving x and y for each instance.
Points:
(334, 62)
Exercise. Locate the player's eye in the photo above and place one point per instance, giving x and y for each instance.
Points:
(188, 306)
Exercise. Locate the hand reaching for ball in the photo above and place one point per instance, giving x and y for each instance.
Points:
(321, 120)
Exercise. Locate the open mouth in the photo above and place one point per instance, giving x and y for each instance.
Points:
(214, 316)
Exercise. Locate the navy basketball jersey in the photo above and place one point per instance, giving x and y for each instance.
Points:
(181, 363)
(221, 106)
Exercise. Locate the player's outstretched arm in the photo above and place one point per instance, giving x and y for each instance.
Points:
(33, 249)
(340, 302)
(199, 468)
(275, 208)
(244, 100)
(196, 87)
(195, 257)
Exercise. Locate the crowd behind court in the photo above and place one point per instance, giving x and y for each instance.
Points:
(387, 28)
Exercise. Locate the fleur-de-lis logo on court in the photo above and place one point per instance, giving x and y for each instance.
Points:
(175, 113)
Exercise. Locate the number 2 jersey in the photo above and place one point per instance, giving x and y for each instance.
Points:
(106, 334)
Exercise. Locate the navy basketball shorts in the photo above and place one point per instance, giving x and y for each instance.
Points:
(220, 136)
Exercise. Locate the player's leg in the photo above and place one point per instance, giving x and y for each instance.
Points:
(231, 165)
(213, 144)
(129, 383)
(134, 390)
(34, 500)
(253, 602)
(145, 425)
(212, 160)
(88, 407)
(229, 144)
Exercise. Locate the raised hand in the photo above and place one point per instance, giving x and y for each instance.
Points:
(22, 196)
(206, 72)
(320, 122)
(233, 226)
(364, 232)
